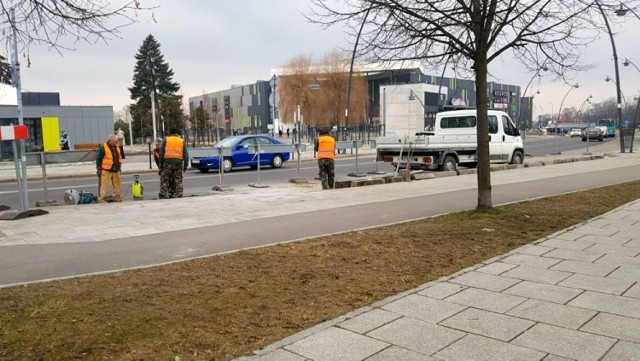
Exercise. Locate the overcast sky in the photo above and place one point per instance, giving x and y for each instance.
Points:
(211, 45)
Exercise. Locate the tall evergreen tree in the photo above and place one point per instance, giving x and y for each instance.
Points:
(152, 74)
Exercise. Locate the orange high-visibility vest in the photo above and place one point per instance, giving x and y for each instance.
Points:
(326, 147)
(173, 148)
(107, 160)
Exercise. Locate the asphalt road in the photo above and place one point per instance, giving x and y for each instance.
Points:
(40, 262)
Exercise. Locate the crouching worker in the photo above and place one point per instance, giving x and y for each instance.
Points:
(109, 164)
(173, 161)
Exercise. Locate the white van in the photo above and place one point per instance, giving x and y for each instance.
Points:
(453, 141)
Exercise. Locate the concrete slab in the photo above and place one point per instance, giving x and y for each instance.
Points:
(564, 342)
(619, 305)
(634, 291)
(534, 274)
(369, 321)
(552, 313)
(585, 268)
(623, 351)
(534, 250)
(531, 261)
(597, 283)
(614, 259)
(486, 300)
(615, 249)
(424, 308)
(485, 281)
(543, 291)
(489, 324)
(277, 355)
(337, 344)
(496, 268)
(605, 238)
(416, 335)
(442, 290)
(584, 256)
(556, 358)
(480, 348)
(605, 324)
(396, 353)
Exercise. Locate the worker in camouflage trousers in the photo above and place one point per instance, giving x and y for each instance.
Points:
(173, 161)
(326, 154)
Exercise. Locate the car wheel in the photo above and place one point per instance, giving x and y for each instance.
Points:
(203, 170)
(449, 164)
(227, 164)
(276, 162)
(584, 139)
(517, 157)
(600, 139)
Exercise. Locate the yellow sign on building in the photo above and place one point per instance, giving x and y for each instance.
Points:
(51, 134)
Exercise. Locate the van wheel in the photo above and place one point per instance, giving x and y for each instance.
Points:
(517, 158)
(449, 164)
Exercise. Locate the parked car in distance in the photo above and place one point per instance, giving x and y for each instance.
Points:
(592, 133)
(575, 132)
(240, 156)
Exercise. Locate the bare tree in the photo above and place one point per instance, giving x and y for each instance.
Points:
(472, 34)
(59, 24)
(294, 87)
(325, 106)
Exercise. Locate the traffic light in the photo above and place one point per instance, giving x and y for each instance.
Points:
(227, 107)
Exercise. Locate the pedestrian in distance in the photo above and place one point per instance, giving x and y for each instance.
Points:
(121, 141)
(280, 132)
(287, 132)
(109, 165)
(326, 155)
(64, 140)
(173, 161)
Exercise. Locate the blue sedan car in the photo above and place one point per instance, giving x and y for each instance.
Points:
(240, 156)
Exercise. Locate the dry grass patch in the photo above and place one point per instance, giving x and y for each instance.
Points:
(222, 307)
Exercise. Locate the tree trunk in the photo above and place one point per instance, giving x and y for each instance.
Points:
(482, 99)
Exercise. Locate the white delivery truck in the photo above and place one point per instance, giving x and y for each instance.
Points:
(453, 142)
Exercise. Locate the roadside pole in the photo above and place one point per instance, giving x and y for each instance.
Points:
(17, 84)
(17, 165)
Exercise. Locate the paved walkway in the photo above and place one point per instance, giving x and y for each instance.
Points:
(573, 295)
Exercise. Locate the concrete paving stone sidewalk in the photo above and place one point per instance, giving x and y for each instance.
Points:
(571, 296)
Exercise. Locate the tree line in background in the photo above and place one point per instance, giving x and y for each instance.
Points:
(592, 112)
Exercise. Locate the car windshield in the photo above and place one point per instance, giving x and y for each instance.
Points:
(226, 142)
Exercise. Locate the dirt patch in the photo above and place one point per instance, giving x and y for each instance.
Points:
(222, 307)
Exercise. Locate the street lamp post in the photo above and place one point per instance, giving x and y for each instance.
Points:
(541, 116)
(624, 100)
(524, 93)
(555, 140)
(633, 133)
(620, 12)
